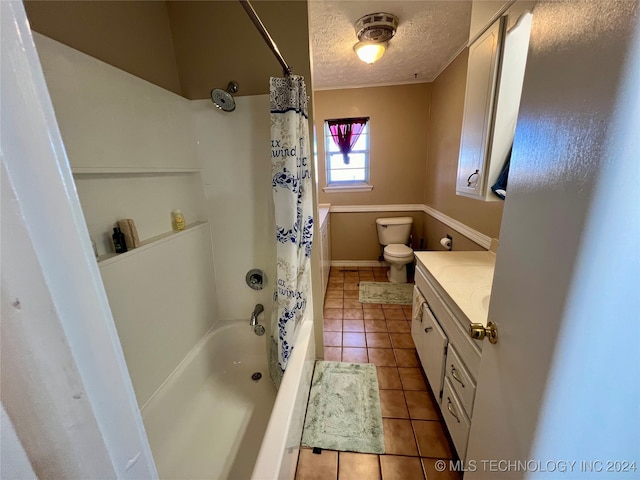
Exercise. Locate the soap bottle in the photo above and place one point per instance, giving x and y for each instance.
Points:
(119, 244)
(178, 220)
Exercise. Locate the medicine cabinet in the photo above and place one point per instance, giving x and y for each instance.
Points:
(495, 74)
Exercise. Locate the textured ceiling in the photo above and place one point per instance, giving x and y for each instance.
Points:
(430, 33)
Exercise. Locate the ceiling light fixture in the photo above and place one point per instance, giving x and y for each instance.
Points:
(374, 30)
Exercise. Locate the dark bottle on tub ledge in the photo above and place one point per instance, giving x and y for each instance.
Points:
(119, 244)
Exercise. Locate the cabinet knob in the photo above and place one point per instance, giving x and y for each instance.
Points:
(477, 331)
(428, 329)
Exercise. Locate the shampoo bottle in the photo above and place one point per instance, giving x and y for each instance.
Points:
(178, 220)
(119, 244)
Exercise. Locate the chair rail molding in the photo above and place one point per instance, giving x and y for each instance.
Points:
(473, 235)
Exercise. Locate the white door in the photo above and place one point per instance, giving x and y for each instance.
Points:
(562, 384)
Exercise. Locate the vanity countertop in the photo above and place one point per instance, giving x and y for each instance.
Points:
(466, 277)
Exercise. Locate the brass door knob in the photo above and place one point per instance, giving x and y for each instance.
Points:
(478, 331)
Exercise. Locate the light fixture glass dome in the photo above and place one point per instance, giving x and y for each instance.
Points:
(370, 52)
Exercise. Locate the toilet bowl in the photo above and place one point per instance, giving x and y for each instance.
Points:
(398, 256)
(394, 234)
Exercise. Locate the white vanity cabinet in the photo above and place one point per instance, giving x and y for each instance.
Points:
(325, 250)
(449, 282)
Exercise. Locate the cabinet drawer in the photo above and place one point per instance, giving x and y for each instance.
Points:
(461, 381)
(457, 421)
(432, 353)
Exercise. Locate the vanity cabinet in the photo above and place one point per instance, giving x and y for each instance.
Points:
(450, 358)
(495, 74)
(325, 252)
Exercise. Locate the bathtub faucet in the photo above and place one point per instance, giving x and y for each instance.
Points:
(254, 316)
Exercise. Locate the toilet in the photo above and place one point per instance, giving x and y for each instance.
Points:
(394, 233)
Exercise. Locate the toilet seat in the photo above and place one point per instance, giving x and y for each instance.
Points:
(398, 250)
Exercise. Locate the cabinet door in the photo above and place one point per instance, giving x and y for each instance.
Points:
(482, 73)
(434, 345)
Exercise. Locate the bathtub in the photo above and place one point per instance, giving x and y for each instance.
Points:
(208, 419)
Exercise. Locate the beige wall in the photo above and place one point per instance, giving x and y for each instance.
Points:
(354, 236)
(216, 42)
(447, 106)
(434, 230)
(399, 128)
(134, 36)
(186, 47)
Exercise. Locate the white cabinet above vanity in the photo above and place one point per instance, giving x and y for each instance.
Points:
(495, 73)
(455, 287)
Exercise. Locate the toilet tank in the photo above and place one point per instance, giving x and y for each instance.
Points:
(394, 230)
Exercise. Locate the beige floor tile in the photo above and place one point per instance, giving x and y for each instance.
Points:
(333, 303)
(402, 340)
(382, 357)
(332, 339)
(391, 306)
(352, 313)
(317, 467)
(352, 302)
(372, 306)
(432, 439)
(333, 354)
(392, 404)
(433, 473)
(398, 437)
(351, 276)
(395, 314)
(367, 277)
(358, 466)
(373, 314)
(400, 468)
(331, 325)
(354, 339)
(354, 355)
(351, 294)
(412, 378)
(351, 285)
(398, 326)
(334, 293)
(350, 325)
(375, 325)
(421, 405)
(407, 357)
(332, 313)
(389, 378)
(378, 340)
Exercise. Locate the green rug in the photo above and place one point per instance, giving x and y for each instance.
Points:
(344, 409)
(383, 292)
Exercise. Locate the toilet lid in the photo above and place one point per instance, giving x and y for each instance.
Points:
(398, 250)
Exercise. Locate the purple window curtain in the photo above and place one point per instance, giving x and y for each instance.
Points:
(345, 133)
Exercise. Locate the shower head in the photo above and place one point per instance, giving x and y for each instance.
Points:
(223, 99)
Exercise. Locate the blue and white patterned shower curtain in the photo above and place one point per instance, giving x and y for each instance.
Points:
(291, 182)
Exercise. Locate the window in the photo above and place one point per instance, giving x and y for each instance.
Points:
(347, 171)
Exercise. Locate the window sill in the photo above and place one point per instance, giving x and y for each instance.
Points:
(347, 188)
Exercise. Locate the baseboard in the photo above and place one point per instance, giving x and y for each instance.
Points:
(358, 263)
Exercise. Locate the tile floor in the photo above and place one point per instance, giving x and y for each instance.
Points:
(415, 435)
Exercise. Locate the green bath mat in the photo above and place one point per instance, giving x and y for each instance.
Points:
(344, 409)
(382, 292)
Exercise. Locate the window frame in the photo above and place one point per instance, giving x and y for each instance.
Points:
(347, 185)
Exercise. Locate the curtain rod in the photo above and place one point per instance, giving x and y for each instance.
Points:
(286, 69)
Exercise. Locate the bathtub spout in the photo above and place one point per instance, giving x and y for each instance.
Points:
(254, 316)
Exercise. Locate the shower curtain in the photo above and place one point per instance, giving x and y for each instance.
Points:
(291, 183)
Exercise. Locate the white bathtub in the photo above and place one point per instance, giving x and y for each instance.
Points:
(208, 420)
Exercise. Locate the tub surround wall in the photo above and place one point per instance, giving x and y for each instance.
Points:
(163, 301)
(237, 180)
(130, 144)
